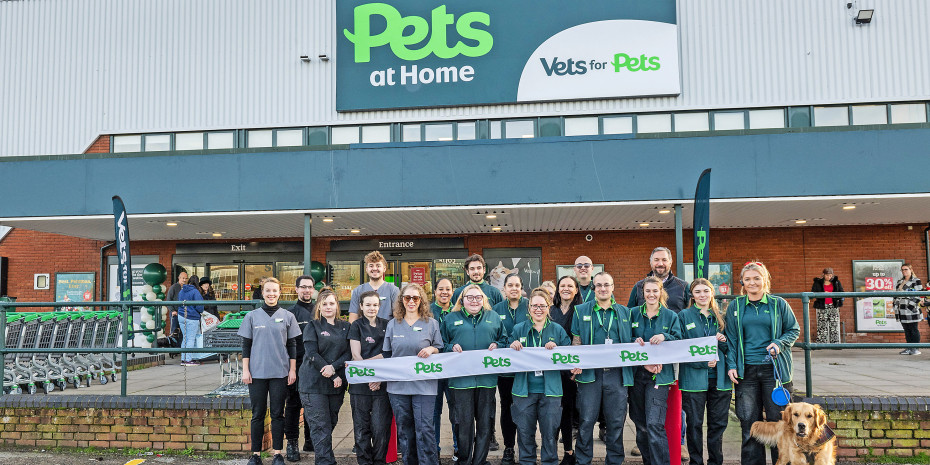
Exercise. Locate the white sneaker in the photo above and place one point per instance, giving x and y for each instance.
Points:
(915, 352)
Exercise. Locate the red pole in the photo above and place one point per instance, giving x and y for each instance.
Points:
(391, 456)
(673, 424)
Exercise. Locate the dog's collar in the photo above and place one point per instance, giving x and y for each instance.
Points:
(825, 436)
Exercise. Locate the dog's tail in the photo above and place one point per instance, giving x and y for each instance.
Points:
(767, 432)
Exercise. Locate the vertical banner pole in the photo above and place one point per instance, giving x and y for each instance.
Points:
(679, 244)
(702, 226)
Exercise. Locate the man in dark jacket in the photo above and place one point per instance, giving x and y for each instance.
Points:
(679, 298)
(303, 311)
(171, 295)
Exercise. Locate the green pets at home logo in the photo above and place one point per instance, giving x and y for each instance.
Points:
(631, 356)
(496, 362)
(359, 372)
(702, 350)
(421, 367)
(558, 358)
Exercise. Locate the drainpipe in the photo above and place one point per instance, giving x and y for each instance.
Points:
(103, 265)
(927, 246)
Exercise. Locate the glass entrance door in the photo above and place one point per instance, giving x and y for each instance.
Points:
(252, 276)
(420, 272)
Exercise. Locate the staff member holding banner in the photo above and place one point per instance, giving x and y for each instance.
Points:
(476, 328)
(440, 308)
(602, 321)
(704, 386)
(371, 408)
(411, 332)
(513, 310)
(655, 323)
(537, 395)
(322, 375)
(758, 324)
(563, 309)
(269, 364)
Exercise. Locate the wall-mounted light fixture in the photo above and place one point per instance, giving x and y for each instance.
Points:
(864, 16)
(323, 57)
(305, 58)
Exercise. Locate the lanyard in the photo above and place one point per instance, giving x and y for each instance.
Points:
(588, 294)
(539, 339)
(610, 322)
(708, 331)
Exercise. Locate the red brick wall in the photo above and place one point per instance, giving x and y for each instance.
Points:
(793, 255)
(101, 145)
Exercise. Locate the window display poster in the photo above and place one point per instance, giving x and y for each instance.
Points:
(721, 276)
(343, 277)
(137, 282)
(451, 269)
(877, 313)
(525, 262)
(74, 287)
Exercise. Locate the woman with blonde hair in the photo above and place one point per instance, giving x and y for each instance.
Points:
(704, 386)
(414, 332)
(758, 325)
(477, 327)
(654, 323)
(907, 309)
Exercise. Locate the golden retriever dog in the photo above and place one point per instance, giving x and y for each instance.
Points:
(802, 436)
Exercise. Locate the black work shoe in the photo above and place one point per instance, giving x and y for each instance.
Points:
(568, 459)
(293, 452)
(308, 446)
(255, 460)
(278, 460)
(507, 459)
(493, 446)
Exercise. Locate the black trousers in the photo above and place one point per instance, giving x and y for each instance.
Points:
(259, 392)
(717, 405)
(508, 427)
(371, 422)
(322, 412)
(473, 410)
(754, 403)
(569, 392)
(292, 406)
(911, 332)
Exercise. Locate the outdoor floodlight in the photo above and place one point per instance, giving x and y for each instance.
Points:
(864, 16)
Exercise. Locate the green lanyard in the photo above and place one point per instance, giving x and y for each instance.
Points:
(610, 323)
(588, 294)
(539, 339)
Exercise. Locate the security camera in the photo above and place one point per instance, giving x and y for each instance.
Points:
(589, 238)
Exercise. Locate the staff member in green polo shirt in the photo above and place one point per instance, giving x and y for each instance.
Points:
(440, 308)
(537, 396)
(583, 268)
(654, 323)
(704, 387)
(601, 321)
(513, 310)
(475, 269)
(758, 324)
(476, 328)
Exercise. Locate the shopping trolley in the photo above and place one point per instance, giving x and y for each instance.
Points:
(226, 335)
(14, 330)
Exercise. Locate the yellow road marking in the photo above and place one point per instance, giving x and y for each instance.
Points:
(135, 462)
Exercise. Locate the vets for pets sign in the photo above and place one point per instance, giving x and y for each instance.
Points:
(500, 361)
(414, 53)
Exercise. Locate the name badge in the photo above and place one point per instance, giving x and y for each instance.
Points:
(417, 328)
(398, 335)
(457, 323)
(381, 298)
(608, 341)
(586, 318)
(523, 340)
(689, 326)
(503, 317)
(279, 320)
(635, 324)
(538, 372)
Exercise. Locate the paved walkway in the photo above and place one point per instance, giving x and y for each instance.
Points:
(847, 372)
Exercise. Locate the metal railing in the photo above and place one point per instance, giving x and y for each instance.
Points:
(809, 346)
(125, 332)
(126, 309)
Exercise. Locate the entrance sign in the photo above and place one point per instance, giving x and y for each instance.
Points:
(876, 314)
(482, 362)
(414, 53)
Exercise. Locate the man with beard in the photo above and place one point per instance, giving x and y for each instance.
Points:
(303, 311)
(375, 267)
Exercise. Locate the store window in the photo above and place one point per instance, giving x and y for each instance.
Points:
(260, 138)
(438, 132)
(730, 121)
(465, 131)
(345, 135)
(287, 273)
(410, 133)
(908, 113)
(618, 125)
(317, 136)
(687, 122)
(495, 127)
(157, 142)
(188, 141)
(131, 143)
(831, 116)
(221, 140)
(583, 126)
(767, 119)
(520, 129)
(452, 269)
(870, 114)
(653, 123)
(376, 134)
(343, 277)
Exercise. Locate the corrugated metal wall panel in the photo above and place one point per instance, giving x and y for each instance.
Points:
(75, 69)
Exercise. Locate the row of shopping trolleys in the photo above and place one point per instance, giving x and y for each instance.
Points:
(29, 372)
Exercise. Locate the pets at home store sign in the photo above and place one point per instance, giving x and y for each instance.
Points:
(415, 53)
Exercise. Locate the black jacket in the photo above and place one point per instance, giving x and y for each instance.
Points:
(324, 344)
(818, 287)
(304, 313)
(679, 297)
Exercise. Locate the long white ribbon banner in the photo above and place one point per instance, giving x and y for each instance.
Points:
(500, 361)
